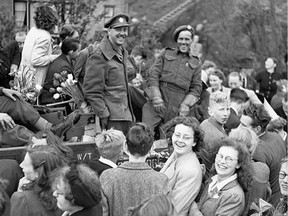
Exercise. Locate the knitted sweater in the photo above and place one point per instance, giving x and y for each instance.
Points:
(128, 185)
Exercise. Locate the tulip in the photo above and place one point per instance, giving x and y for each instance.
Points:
(52, 90)
(56, 96)
(38, 87)
(59, 89)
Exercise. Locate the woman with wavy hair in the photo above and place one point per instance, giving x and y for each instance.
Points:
(35, 197)
(216, 81)
(260, 187)
(183, 168)
(37, 49)
(50, 139)
(78, 190)
(224, 193)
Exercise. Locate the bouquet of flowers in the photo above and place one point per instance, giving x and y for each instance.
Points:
(64, 84)
(24, 83)
(264, 207)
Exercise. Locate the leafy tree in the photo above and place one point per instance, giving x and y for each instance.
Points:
(265, 30)
(7, 26)
(143, 33)
(80, 14)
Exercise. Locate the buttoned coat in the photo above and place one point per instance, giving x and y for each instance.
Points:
(37, 53)
(177, 75)
(106, 83)
(185, 177)
(180, 69)
(230, 201)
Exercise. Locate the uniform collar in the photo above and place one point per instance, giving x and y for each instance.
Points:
(107, 48)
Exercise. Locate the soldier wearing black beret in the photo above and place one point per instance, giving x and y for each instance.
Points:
(105, 83)
(174, 83)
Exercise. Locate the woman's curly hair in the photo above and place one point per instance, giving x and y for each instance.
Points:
(245, 172)
(46, 17)
(169, 127)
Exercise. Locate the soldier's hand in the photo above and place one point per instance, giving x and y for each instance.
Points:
(159, 106)
(5, 119)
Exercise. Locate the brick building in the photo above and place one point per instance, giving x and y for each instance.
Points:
(23, 10)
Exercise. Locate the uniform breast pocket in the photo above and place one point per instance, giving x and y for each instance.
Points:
(169, 67)
(115, 76)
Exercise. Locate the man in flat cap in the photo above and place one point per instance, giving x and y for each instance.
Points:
(105, 83)
(174, 83)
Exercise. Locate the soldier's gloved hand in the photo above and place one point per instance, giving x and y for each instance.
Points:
(159, 106)
(184, 110)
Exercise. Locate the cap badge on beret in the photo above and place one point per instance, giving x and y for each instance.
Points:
(189, 27)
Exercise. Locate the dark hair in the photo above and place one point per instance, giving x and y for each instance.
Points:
(245, 171)
(54, 141)
(219, 74)
(66, 31)
(238, 95)
(46, 17)
(70, 44)
(44, 160)
(259, 115)
(81, 184)
(276, 124)
(139, 139)
(192, 122)
(284, 160)
(208, 64)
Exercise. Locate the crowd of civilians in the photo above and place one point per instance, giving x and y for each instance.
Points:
(228, 141)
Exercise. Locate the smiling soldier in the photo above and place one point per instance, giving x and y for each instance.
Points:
(174, 83)
(105, 83)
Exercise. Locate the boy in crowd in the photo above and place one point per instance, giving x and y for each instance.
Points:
(133, 181)
(110, 147)
(238, 99)
(219, 111)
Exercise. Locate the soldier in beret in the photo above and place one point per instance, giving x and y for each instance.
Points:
(174, 83)
(105, 83)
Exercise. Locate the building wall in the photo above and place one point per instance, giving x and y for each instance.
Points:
(120, 6)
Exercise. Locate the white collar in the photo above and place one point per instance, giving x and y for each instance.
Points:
(234, 110)
(221, 184)
(108, 162)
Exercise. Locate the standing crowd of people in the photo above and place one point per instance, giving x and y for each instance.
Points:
(228, 141)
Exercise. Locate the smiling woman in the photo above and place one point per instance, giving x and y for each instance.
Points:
(224, 194)
(184, 180)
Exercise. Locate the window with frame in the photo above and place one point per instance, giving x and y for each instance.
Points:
(109, 12)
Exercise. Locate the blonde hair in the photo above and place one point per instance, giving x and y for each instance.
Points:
(245, 136)
(218, 97)
(110, 143)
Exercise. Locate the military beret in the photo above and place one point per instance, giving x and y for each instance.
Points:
(119, 20)
(182, 28)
